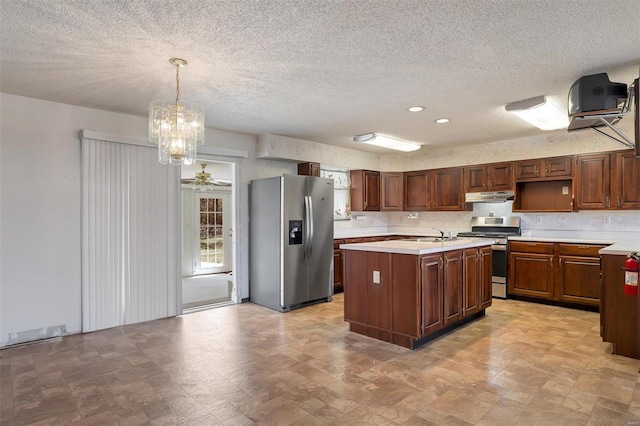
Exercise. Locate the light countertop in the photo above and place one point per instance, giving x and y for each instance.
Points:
(596, 240)
(418, 248)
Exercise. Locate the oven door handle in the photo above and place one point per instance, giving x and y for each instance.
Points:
(498, 248)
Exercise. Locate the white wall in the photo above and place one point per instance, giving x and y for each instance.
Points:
(40, 206)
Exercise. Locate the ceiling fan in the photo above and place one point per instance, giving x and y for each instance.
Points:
(203, 181)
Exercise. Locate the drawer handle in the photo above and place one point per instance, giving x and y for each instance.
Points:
(583, 247)
(531, 244)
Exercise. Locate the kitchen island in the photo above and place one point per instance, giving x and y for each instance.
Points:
(408, 292)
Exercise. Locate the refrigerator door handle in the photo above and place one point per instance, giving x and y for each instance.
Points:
(310, 243)
(307, 227)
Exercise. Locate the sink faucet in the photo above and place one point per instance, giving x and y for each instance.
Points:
(449, 236)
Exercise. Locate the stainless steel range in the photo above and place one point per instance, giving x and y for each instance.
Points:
(499, 227)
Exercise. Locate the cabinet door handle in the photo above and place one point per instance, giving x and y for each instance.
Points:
(537, 171)
(608, 201)
(545, 171)
(365, 204)
(440, 262)
(619, 202)
(560, 262)
(551, 260)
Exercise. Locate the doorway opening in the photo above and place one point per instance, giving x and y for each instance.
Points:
(207, 246)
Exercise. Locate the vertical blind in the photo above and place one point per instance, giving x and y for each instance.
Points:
(130, 235)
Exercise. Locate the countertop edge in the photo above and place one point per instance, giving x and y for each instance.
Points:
(384, 247)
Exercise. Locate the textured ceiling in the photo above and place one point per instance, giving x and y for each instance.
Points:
(321, 70)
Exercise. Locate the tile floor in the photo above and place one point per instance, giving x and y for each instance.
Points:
(521, 364)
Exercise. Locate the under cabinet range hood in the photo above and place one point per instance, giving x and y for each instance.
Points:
(488, 197)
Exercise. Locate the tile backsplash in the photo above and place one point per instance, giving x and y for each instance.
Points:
(610, 223)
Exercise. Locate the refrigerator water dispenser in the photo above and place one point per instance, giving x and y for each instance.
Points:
(295, 232)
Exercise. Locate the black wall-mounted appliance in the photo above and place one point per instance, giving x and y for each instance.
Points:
(595, 93)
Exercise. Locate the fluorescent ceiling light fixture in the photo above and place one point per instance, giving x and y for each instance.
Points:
(540, 113)
(416, 108)
(387, 142)
(442, 120)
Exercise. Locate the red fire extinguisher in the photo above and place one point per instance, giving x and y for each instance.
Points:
(631, 271)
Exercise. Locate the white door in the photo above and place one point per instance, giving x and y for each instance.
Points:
(212, 226)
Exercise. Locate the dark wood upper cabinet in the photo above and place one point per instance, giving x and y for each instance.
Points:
(365, 190)
(447, 189)
(544, 168)
(500, 176)
(391, 191)
(417, 190)
(625, 180)
(309, 169)
(476, 179)
(488, 177)
(593, 181)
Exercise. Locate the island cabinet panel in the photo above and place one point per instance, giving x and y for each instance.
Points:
(485, 264)
(368, 295)
(365, 190)
(418, 296)
(470, 281)
(619, 312)
(405, 295)
(417, 190)
(355, 289)
(625, 180)
(391, 191)
(378, 296)
(431, 291)
(452, 286)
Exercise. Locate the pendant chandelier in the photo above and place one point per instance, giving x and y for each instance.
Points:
(177, 127)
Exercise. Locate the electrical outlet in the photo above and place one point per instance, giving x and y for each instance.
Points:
(376, 277)
(538, 219)
(606, 220)
(412, 216)
(565, 190)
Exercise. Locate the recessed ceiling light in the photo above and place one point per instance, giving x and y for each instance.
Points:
(416, 108)
(442, 120)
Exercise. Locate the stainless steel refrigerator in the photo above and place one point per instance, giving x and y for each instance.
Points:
(290, 241)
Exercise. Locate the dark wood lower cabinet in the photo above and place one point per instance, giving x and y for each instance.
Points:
(431, 297)
(531, 274)
(452, 287)
(578, 279)
(562, 272)
(337, 271)
(485, 262)
(417, 295)
(619, 312)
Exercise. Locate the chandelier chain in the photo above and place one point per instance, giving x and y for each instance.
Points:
(177, 84)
